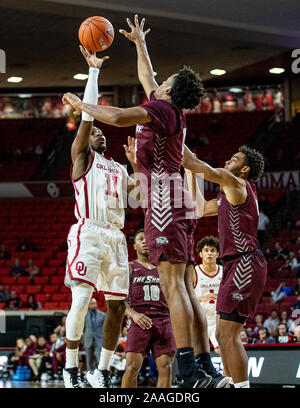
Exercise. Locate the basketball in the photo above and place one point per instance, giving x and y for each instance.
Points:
(96, 33)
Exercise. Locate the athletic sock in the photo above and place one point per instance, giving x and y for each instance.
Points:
(204, 360)
(242, 384)
(186, 361)
(71, 358)
(105, 359)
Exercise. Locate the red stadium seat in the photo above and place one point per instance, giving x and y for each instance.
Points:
(64, 289)
(2, 304)
(42, 297)
(59, 297)
(57, 280)
(7, 280)
(46, 271)
(56, 262)
(23, 280)
(33, 289)
(50, 289)
(64, 305)
(51, 305)
(41, 280)
(18, 288)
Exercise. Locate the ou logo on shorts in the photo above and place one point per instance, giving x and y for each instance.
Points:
(80, 268)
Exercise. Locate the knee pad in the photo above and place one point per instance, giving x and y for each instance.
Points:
(81, 296)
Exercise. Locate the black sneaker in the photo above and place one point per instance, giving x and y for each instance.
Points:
(199, 379)
(71, 378)
(218, 380)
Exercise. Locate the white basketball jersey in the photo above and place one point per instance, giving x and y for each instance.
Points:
(206, 284)
(99, 191)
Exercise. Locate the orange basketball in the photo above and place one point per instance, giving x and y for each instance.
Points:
(96, 33)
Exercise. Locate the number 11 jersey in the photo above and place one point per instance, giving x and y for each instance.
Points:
(99, 191)
(145, 293)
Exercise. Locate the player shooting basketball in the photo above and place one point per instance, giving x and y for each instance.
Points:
(245, 268)
(97, 250)
(169, 228)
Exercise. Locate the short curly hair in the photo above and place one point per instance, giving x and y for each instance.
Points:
(209, 241)
(255, 161)
(187, 89)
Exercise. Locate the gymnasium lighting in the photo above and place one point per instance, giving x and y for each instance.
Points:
(218, 72)
(14, 79)
(235, 90)
(276, 70)
(81, 77)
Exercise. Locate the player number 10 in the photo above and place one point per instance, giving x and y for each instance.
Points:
(151, 292)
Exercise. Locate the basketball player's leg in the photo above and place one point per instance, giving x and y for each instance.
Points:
(201, 338)
(223, 357)
(81, 296)
(134, 363)
(231, 347)
(172, 281)
(164, 368)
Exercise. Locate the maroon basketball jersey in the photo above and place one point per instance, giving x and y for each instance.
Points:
(145, 294)
(237, 224)
(160, 145)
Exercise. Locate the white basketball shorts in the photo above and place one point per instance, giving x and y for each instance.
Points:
(97, 255)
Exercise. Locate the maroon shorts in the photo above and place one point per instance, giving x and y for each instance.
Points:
(175, 242)
(159, 339)
(242, 284)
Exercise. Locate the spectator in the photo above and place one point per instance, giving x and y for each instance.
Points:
(297, 333)
(297, 305)
(272, 323)
(4, 253)
(32, 303)
(290, 263)
(4, 295)
(31, 269)
(59, 358)
(93, 334)
(38, 149)
(60, 326)
(279, 253)
(17, 269)
(41, 351)
(262, 225)
(30, 347)
(289, 322)
(282, 291)
(264, 336)
(250, 333)
(259, 323)
(244, 336)
(283, 336)
(14, 302)
(18, 358)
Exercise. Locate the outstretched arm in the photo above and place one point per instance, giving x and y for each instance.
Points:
(120, 117)
(144, 66)
(203, 208)
(81, 142)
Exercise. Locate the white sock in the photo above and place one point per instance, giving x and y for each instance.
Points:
(105, 359)
(242, 384)
(71, 358)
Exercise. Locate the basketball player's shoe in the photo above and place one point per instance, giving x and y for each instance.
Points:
(71, 378)
(99, 378)
(218, 380)
(199, 379)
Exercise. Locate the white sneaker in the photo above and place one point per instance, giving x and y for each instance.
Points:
(71, 378)
(99, 378)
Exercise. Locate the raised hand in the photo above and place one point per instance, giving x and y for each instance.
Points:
(130, 150)
(91, 58)
(137, 31)
(73, 100)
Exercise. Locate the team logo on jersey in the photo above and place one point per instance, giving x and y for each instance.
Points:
(139, 128)
(80, 268)
(162, 241)
(237, 296)
(219, 202)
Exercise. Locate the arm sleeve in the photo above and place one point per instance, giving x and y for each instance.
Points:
(91, 92)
